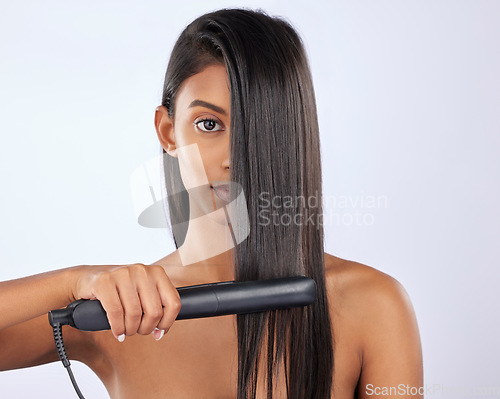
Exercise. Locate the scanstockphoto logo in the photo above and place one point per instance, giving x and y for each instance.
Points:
(339, 210)
(431, 390)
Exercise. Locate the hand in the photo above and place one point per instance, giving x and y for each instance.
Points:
(137, 298)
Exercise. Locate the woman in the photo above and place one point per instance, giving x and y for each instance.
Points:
(238, 108)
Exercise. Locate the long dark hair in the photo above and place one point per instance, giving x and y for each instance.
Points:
(275, 151)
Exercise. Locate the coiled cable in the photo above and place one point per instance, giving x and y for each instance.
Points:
(58, 338)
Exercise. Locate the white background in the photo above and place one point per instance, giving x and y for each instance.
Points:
(408, 95)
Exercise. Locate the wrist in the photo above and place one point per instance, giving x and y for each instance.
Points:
(74, 275)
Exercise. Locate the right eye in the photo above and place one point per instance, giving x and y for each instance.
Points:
(208, 125)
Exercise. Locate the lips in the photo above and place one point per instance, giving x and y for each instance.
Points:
(222, 191)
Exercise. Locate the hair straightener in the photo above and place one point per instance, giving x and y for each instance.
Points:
(197, 301)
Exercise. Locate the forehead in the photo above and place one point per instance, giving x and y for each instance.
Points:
(210, 85)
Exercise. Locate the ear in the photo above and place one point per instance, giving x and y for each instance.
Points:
(165, 130)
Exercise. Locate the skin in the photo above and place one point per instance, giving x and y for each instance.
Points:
(376, 336)
(207, 164)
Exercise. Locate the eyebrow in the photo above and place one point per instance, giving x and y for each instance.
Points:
(201, 103)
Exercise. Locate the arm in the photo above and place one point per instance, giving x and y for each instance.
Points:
(392, 364)
(137, 299)
(25, 333)
(21, 299)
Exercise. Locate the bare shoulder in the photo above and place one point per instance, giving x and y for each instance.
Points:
(362, 287)
(373, 310)
(365, 296)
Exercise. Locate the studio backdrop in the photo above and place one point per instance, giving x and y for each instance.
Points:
(408, 100)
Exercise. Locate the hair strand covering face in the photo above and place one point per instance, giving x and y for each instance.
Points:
(275, 150)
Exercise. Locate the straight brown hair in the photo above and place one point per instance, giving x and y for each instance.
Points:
(275, 151)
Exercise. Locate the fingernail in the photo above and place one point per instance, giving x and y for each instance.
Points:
(121, 338)
(157, 334)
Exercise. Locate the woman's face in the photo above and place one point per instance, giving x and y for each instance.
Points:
(199, 136)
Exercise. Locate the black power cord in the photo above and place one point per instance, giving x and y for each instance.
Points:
(64, 358)
(57, 319)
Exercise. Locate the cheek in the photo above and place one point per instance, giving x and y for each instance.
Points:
(192, 166)
(183, 137)
(208, 155)
(199, 150)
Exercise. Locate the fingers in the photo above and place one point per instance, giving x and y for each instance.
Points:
(151, 303)
(112, 304)
(138, 299)
(170, 300)
(132, 308)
